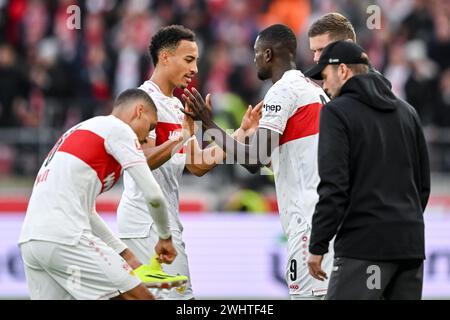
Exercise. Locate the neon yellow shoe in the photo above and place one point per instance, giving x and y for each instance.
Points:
(153, 276)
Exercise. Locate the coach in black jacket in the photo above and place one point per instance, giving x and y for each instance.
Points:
(375, 183)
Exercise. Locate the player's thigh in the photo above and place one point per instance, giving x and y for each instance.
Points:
(41, 285)
(91, 270)
(300, 283)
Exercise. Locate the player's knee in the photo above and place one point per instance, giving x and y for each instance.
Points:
(138, 293)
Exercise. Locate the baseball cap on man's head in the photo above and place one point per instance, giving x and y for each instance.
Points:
(338, 52)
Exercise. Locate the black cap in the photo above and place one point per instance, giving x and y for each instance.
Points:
(337, 52)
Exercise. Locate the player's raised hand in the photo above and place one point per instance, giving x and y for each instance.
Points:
(199, 108)
(188, 125)
(165, 250)
(251, 118)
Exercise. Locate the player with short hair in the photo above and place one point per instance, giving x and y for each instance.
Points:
(288, 137)
(330, 27)
(333, 27)
(170, 148)
(67, 249)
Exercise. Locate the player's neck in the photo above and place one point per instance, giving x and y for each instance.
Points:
(165, 86)
(278, 72)
(119, 114)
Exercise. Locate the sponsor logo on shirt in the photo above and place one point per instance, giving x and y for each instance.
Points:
(272, 107)
(294, 287)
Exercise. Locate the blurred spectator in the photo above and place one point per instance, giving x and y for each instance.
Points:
(397, 69)
(421, 85)
(50, 86)
(442, 110)
(132, 62)
(13, 87)
(439, 46)
(419, 22)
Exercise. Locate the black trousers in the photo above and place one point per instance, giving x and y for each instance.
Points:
(353, 279)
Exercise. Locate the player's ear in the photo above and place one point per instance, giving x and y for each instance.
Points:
(268, 55)
(164, 56)
(139, 110)
(344, 71)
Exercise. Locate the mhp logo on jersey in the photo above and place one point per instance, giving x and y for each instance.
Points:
(272, 107)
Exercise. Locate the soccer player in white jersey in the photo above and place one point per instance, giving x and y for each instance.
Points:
(67, 249)
(171, 147)
(288, 138)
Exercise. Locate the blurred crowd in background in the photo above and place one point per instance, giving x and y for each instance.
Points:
(52, 77)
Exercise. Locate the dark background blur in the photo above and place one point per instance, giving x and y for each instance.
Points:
(52, 77)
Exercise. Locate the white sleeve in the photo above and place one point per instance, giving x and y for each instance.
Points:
(101, 230)
(152, 134)
(123, 145)
(276, 110)
(149, 88)
(153, 197)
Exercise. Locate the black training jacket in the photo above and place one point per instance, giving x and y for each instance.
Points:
(375, 177)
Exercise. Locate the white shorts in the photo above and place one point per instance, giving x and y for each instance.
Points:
(144, 249)
(89, 270)
(300, 283)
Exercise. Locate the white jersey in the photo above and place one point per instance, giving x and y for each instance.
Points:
(86, 161)
(292, 108)
(133, 219)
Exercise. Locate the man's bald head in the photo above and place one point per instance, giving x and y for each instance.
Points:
(275, 50)
(280, 38)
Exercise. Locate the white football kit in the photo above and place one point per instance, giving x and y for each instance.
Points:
(292, 108)
(136, 227)
(62, 256)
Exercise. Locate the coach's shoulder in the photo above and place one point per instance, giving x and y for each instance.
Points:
(339, 103)
(338, 109)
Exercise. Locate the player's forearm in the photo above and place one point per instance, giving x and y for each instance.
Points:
(245, 138)
(241, 136)
(158, 155)
(101, 230)
(200, 161)
(246, 155)
(204, 161)
(158, 210)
